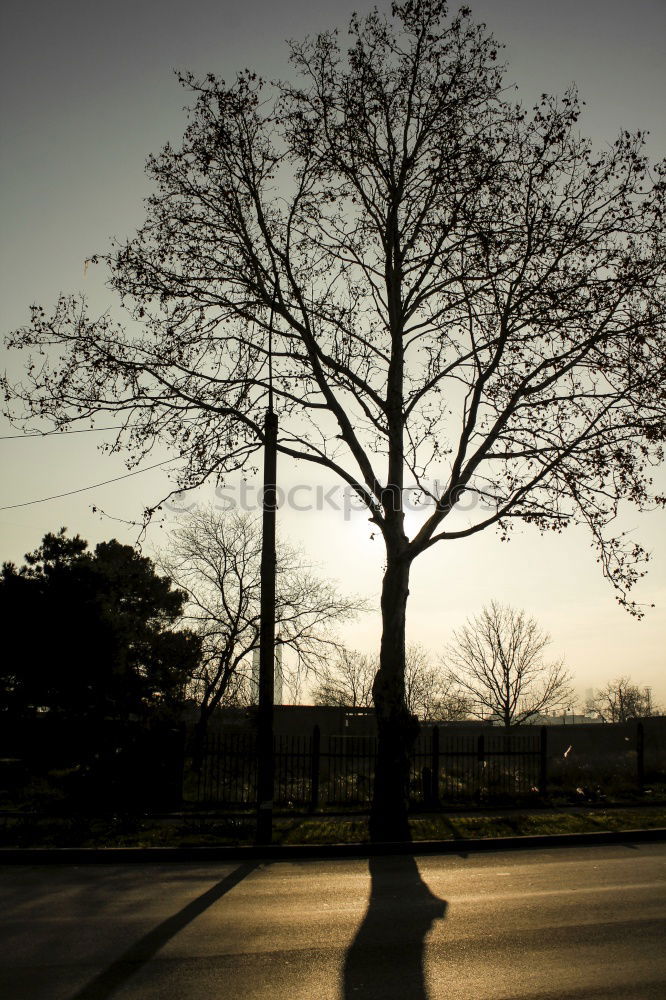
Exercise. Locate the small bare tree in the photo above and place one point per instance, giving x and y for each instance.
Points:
(430, 694)
(347, 681)
(497, 659)
(216, 560)
(620, 701)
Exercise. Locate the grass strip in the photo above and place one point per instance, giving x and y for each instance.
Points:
(219, 831)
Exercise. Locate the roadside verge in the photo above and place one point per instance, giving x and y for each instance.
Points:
(289, 852)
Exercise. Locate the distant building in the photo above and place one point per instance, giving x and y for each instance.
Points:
(278, 676)
(563, 719)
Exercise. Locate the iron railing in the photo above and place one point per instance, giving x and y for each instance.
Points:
(338, 771)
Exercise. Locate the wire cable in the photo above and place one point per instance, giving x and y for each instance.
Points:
(43, 434)
(82, 489)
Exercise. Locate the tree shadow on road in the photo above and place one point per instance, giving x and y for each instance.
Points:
(385, 959)
(107, 982)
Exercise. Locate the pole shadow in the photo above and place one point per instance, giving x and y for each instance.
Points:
(386, 958)
(105, 984)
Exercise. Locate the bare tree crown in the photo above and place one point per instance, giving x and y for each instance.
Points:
(430, 693)
(215, 560)
(466, 297)
(497, 659)
(621, 700)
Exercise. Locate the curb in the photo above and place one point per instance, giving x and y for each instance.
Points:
(298, 852)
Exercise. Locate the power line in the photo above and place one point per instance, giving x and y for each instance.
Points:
(82, 489)
(43, 434)
(77, 430)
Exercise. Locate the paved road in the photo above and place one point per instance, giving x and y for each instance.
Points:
(553, 925)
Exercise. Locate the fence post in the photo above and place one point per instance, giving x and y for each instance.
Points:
(543, 761)
(482, 775)
(314, 768)
(178, 776)
(434, 766)
(640, 757)
(426, 786)
(481, 748)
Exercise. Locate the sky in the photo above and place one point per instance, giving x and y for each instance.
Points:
(88, 91)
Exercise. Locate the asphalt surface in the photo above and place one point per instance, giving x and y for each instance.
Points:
(550, 924)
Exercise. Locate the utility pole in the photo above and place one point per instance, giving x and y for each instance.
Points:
(265, 761)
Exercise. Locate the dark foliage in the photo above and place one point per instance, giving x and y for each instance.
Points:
(91, 635)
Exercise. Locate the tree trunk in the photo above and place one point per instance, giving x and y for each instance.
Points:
(215, 691)
(397, 728)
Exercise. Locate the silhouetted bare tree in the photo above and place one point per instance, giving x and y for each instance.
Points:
(215, 559)
(621, 700)
(497, 660)
(347, 680)
(430, 694)
(465, 298)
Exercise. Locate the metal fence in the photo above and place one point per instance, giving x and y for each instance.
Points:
(463, 767)
(313, 771)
